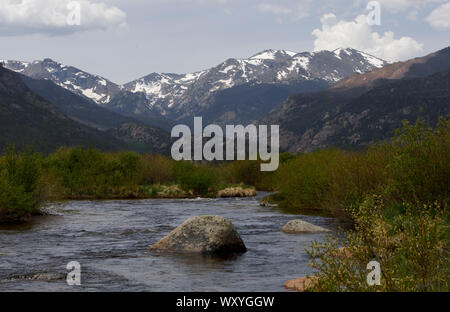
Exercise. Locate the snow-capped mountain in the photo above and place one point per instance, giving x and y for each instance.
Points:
(94, 87)
(171, 93)
(179, 96)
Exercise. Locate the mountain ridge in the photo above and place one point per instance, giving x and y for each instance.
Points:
(178, 96)
(173, 94)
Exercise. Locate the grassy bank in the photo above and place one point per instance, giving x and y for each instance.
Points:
(28, 179)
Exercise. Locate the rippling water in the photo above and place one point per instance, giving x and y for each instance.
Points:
(110, 239)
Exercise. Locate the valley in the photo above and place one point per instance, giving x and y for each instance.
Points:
(363, 143)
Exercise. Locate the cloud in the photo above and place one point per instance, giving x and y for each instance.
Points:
(296, 11)
(396, 6)
(440, 17)
(19, 17)
(358, 34)
(274, 9)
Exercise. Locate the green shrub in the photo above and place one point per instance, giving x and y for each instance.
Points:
(418, 167)
(246, 172)
(286, 157)
(20, 193)
(158, 169)
(77, 169)
(413, 167)
(194, 178)
(412, 249)
(88, 172)
(305, 182)
(125, 169)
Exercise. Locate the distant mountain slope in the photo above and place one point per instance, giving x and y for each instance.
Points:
(368, 111)
(135, 105)
(377, 113)
(28, 119)
(143, 138)
(76, 107)
(90, 114)
(245, 103)
(417, 67)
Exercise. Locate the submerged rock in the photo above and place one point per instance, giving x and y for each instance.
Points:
(212, 235)
(300, 226)
(263, 204)
(269, 201)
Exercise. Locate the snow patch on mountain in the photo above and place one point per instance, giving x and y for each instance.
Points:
(272, 54)
(94, 87)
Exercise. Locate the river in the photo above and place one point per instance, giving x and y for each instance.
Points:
(111, 239)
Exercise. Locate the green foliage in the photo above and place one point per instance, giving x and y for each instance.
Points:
(20, 194)
(305, 181)
(194, 178)
(413, 167)
(285, 157)
(158, 169)
(79, 173)
(418, 167)
(89, 172)
(412, 249)
(247, 172)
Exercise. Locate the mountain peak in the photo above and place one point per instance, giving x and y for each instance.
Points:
(48, 60)
(417, 67)
(272, 54)
(347, 51)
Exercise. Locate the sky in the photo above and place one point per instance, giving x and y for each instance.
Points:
(123, 40)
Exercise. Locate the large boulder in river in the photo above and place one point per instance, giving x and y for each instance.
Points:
(204, 234)
(300, 226)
